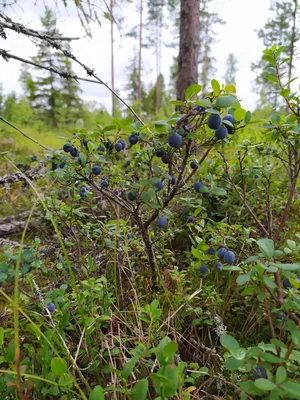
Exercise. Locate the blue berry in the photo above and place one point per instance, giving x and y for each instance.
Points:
(51, 307)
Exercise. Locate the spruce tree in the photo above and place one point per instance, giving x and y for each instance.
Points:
(282, 29)
(231, 70)
(53, 99)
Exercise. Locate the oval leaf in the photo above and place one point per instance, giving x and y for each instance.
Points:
(139, 390)
(97, 393)
(58, 366)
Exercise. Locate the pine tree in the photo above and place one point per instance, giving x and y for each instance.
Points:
(282, 29)
(53, 99)
(231, 70)
(132, 86)
(188, 46)
(208, 20)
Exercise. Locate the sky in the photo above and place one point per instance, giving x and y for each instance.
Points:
(237, 36)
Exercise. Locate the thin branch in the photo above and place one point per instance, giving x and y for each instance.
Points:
(6, 55)
(23, 133)
(41, 35)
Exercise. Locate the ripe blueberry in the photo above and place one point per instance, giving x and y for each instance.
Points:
(175, 140)
(131, 196)
(104, 183)
(51, 307)
(203, 269)
(173, 180)
(286, 283)
(74, 152)
(159, 185)
(162, 222)
(123, 143)
(96, 170)
(133, 139)
(118, 146)
(194, 165)
(229, 118)
(210, 251)
(259, 372)
(197, 186)
(159, 153)
(221, 252)
(165, 159)
(214, 121)
(67, 148)
(219, 267)
(221, 132)
(100, 149)
(229, 257)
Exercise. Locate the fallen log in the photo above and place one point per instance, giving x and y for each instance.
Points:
(32, 173)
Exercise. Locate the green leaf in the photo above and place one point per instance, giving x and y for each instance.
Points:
(271, 358)
(91, 146)
(271, 78)
(192, 90)
(247, 118)
(58, 366)
(83, 159)
(169, 352)
(291, 244)
(128, 368)
(109, 128)
(281, 374)
(286, 267)
(264, 384)
(97, 393)
(226, 101)
(167, 383)
(292, 388)
(232, 364)
(271, 284)
(139, 390)
(203, 102)
(270, 59)
(65, 380)
(242, 279)
(229, 342)
(240, 114)
(212, 111)
(296, 337)
(285, 92)
(160, 350)
(147, 196)
(216, 87)
(161, 123)
(230, 89)
(267, 247)
(79, 124)
(219, 191)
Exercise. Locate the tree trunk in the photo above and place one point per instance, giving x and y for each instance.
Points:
(140, 54)
(112, 57)
(188, 46)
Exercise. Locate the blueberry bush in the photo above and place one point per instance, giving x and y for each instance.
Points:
(176, 268)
